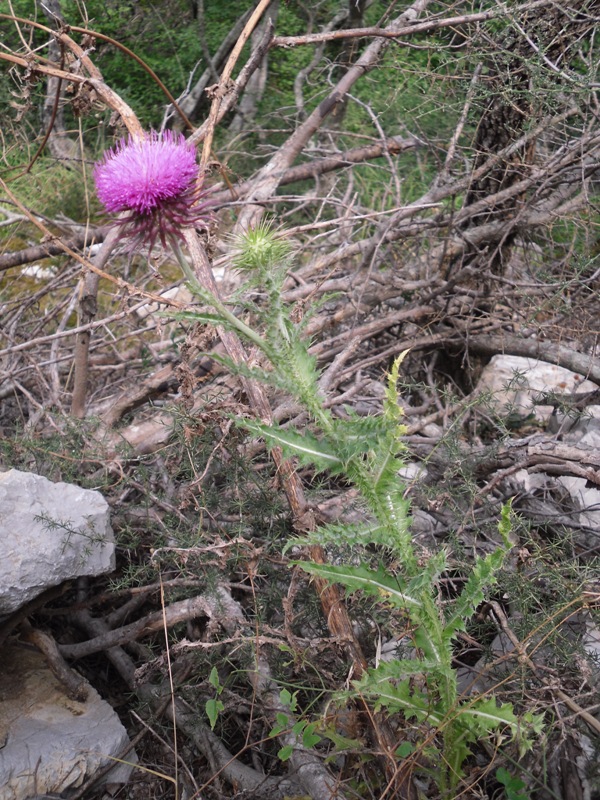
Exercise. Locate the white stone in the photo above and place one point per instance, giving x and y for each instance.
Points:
(180, 294)
(513, 383)
(50, 743)
(587, 498)
(39, 273)
(49, 533)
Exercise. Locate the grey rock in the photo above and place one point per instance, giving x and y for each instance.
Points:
(49, 533)
(49, 743)
(512, 384)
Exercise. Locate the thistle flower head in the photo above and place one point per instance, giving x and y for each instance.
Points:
(152, 182)
(261, 247)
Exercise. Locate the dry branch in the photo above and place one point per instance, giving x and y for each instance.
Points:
(383, 298)
(161, 701)
(410, 30)
(560, 355)
(268, 178)
(53, 248)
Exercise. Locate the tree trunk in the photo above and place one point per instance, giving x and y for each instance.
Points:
(193, 103)
(248, 106)
(58, 142)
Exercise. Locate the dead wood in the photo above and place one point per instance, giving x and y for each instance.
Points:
(72, 682)
(266, 182)
(195, 98)
(226, 765)
(29, 254)
(171, 615)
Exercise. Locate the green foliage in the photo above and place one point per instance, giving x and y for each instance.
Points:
(513, 786)
(303, 730)
(162, 35)
(49, 186)
(368, 453)
(214, 706)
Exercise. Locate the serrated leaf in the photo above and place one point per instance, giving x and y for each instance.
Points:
(392, 408)
(484, 715)
(349, 535)
(253, 373)
(379, 583)
(396, 669)
(535, 722)
(482, 575)
(505, 523)
(402, 697)
(206, 317)
(309, 450)
(360, 435)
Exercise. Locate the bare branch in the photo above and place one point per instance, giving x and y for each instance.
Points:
(413, 28)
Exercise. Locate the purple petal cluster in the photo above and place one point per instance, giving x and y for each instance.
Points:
(152, 182)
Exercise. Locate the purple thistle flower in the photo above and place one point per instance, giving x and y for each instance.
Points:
(153, 183)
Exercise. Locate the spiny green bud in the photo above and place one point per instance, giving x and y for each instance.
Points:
(261, 248)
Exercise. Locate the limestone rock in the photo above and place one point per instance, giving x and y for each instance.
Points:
(514, 383)
(49, 533)
(50, 743)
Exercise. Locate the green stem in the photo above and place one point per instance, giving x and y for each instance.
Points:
(214, 301)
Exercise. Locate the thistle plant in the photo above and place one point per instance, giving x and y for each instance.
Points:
(152, 182)
(368, 452)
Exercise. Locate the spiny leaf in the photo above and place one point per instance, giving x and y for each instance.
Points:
(484, 715)
(374, 582)
(505, 523)
(306, 447)
(404, 698)
(207, 317)
(482, 575)
(391, 407)
(349, 535)
(261, 248)
(396, 669)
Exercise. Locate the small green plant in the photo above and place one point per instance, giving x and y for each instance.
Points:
(300, 728)
(214, 706)
(513, 786)
(368, 452)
